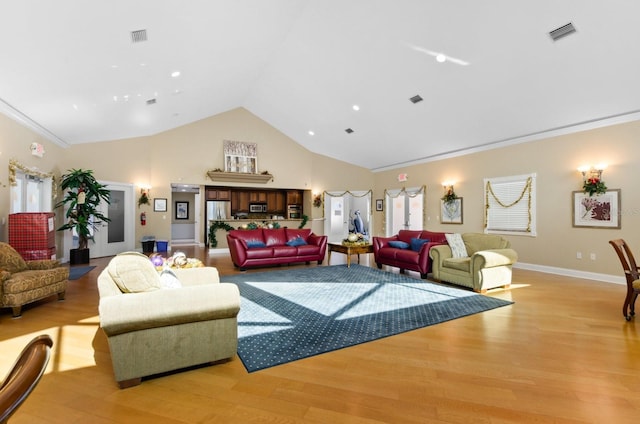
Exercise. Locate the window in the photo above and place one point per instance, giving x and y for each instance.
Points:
(510, 205)
(30, 193)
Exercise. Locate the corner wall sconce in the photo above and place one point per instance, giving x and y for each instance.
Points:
(449, 194)
(317, 200)
(144, 197)
(592, 179)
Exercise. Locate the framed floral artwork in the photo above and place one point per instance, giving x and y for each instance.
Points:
(600, 211)
(451, 211)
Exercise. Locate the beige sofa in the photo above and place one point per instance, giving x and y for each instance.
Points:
(152, 329)
(488, 263)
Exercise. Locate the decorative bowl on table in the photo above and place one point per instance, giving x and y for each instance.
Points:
(355, 239)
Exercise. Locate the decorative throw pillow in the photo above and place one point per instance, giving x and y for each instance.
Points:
(298, 241)
(458, 249)
(169, 280)
(399, 244)
(416, 243)
(255, 243)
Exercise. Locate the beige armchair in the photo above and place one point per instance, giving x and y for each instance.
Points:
(488, 263)
(152, 329)
(23, 282)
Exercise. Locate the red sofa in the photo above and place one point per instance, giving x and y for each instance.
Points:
(263, 247)
(416, 259)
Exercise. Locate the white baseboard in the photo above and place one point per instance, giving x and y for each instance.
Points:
(219, 251)
(572, 273)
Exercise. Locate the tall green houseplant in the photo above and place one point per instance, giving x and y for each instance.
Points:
(83, 195)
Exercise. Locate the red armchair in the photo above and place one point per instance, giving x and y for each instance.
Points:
(407, 250)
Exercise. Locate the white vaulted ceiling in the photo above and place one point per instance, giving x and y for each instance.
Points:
(69, 69)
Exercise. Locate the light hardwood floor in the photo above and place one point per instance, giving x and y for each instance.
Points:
(563, 353)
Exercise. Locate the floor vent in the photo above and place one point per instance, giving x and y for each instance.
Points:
(416, 99)
(563, 31)
(151, 102)
(139, 36)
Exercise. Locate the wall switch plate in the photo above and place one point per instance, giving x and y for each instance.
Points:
(593, 256)
(578, 255)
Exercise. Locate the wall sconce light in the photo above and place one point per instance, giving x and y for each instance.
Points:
(592, 179)
(317, 200)
(144, 197)
(449, 194)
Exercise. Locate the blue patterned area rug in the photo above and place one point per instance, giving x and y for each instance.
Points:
(76, 272)
(288, 315)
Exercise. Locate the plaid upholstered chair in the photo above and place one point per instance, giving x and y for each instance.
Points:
(25, 282)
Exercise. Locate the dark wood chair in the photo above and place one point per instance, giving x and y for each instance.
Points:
(631, 273)
(24, 376)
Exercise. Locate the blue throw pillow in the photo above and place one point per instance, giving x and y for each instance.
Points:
(255, 243)
(399, 244)
(298, 241)
(416, 243)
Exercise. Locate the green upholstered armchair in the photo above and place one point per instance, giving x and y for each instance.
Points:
(488, 263)
(23, 282)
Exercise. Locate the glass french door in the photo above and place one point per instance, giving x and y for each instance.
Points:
(340, 213)
(405, 211)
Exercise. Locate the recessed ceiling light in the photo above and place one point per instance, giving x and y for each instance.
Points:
(356, 107)
(175, 74)
(441, 58)
(311, 133)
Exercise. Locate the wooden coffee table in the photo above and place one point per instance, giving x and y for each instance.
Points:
(349, 250)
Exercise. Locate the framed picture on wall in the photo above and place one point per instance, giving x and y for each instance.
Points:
(601, 211)
(379, 205)
(159, 205)
(451, 212)
(182, 210)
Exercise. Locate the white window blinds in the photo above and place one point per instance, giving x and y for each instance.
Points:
(510, 205)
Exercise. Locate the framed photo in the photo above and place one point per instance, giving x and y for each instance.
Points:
(451, 212)
(601, 211)
(379, 205)
(159, 205)
(182, 210)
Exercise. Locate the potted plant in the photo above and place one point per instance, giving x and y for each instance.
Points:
(83, 195)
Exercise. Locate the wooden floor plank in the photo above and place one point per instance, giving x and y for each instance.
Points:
(562, 353)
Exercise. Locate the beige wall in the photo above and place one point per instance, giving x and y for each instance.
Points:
(183, 155)
(555, 161)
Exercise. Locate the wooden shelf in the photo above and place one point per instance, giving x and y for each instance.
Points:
(239, 177)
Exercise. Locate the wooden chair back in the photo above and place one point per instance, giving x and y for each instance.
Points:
(626, 259)
(631, 273)
(24, 376)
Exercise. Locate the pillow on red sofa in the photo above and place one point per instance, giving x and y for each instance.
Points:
(416, 243)
(399, 244)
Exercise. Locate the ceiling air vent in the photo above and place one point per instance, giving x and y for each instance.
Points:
(416, 99)
(139, 36)
(563, 31)
(151, 102)
(348, 130)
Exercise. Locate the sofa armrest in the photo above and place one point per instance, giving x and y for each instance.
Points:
(438, 254)
(40, 264)
(317, 240)
(237, 250)
(493, 258)
(197, 276)
(380, 242)
(167, 307)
